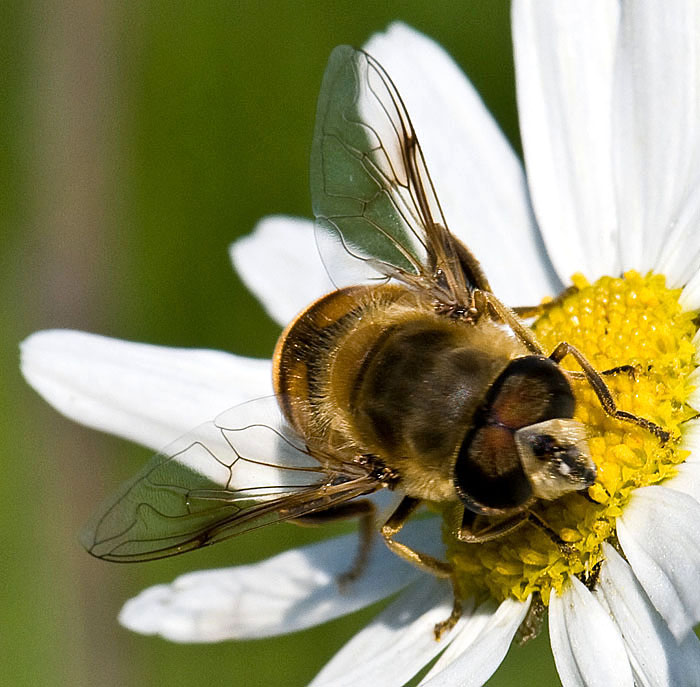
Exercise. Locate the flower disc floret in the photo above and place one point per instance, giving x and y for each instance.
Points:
(630, 321)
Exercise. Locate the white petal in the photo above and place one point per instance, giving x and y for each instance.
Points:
(691, 440)
(477, 176)
(680, 257)
(656, 110)
(280, 264)
(657, 659)
(288, 592)
(149, 394)
(587, 647)
(659, 531)
(479, 647)
(397, 643)
(564, 55)
(687, 480)
(694, 379)
(690, 297)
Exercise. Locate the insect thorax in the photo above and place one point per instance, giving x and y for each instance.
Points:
(376, 370)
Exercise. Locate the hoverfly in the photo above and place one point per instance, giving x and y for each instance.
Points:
(416, 378)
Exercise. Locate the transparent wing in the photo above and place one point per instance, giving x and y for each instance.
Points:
(371, 191)
(242, 471)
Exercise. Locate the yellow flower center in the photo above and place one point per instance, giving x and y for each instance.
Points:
(634, 321)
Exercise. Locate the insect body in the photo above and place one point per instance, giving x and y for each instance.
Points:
(416, 378)
(461, 412)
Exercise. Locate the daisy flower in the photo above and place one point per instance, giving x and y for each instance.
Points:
(609, 103)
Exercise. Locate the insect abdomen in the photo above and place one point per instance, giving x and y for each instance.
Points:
(318, 356)
(377, 371)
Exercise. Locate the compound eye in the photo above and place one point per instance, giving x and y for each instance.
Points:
(489, 476)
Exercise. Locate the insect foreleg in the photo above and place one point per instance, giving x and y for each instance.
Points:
(598, 385)
(485, 300)
(528, 311)
(629, 370)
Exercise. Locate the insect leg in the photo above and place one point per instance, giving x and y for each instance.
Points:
(527, 311)
(392, 527)
(603, 393)
(537, 521)
(475, 529)
(485, 300)
(630, 370)
(456, 613)
(362, 509)
(532, 624)
(428, 563)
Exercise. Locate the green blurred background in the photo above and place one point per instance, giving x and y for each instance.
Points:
(138, 140)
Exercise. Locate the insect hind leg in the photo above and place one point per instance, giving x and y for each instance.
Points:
(421, 560)
(365, 511)
(455, 614)
(430, 564)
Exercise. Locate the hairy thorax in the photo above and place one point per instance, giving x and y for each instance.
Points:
(376, 371)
